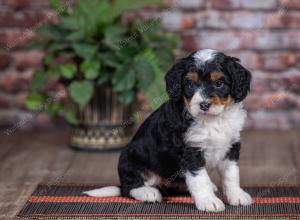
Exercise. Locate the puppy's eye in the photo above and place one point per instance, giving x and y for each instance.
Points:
(219, 83)
(191, 85)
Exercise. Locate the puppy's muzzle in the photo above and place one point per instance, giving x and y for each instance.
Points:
(204, 106)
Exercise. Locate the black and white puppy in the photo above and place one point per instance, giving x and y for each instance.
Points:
(197, 129)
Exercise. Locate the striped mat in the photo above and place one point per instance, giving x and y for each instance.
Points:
(67, 202)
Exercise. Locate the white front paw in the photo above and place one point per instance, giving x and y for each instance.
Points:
(238, 197)
(210, 204)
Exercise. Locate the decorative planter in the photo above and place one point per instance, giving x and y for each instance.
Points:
(105, 124)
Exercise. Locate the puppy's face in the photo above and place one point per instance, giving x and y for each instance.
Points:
(206, 93)
(208, 82)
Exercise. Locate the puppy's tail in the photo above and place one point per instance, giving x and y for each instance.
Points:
(104, 191)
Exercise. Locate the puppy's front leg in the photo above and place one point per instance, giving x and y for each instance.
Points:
(229, 170)
(201, 189)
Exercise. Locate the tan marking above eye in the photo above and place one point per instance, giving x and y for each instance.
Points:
(215, 75)
(193, 76)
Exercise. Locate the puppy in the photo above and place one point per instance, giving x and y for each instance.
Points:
(196, 129)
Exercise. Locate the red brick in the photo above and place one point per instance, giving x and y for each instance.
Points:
(14, 82)
(244, 4)
(259, 4)
(247, 20)
(35, 19)
(271, 101)
(248, 59)
(188, 41)
(20, 4)
(16, 101)
(5, 60)
(187, 5)
(10, 18)
(290, 4)
(225, 4)
(221, 40)
(265, 40)
(26, 19)
(19, 100)
(176, 21)
(241, 20)
(14, 39)
(4, 101)
(265, 82)
(27, 59)
(284, 20)
(278, 61)
(187, 22)
(213, 19)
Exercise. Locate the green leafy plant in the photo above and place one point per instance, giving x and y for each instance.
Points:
(91, 46)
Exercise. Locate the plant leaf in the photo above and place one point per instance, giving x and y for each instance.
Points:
(69, 22)
(70, 116)
(145, 69)
(67, 70)
(75, 36)
(56, 46)
(124, 79)
(113, 36)
(51, 31)
(39, 79)
(55, 4)
(35, 102)
(53, 109)
(90, 69)
(48, 58)
(155, 92)
(104, 77)
(110, 59)
(81, 92)
(86, 51)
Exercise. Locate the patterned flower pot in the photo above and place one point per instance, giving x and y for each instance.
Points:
(105, 124)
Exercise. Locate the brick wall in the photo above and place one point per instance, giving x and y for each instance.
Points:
(264, 34)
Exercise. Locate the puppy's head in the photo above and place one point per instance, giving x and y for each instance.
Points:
(207, 82)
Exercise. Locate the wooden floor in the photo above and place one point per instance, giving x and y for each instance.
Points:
(32, 157)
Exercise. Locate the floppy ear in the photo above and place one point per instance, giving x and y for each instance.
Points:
(241, 78)
(173, 80)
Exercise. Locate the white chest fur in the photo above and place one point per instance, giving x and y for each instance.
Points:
(214, 135)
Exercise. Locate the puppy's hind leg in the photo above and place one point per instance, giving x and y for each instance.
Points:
(133, 184)
(146, 194)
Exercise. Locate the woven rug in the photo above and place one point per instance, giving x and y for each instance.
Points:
(67, 201)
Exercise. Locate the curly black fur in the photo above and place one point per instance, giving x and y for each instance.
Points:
(234, 152)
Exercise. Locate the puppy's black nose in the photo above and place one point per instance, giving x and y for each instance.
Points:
(204, 106)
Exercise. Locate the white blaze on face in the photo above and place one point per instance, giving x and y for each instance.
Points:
(205, 55)
(195, 103)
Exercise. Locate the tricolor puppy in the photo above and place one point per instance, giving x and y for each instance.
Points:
(197, 129)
